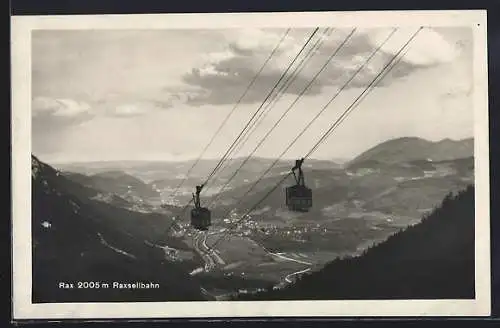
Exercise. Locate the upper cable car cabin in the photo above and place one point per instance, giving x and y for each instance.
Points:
(298, 196)
(200, 216)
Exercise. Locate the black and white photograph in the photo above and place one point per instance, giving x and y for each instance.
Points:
(226, 164)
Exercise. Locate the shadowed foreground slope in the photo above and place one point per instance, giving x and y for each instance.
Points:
(73, 242)
(431, 260)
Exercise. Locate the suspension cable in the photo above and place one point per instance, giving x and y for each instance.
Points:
(290, 80)
(366, 91)
(260, 107)
(366, 94)
(232, 111)
(354, 105)
(314, 118)
(256, 112)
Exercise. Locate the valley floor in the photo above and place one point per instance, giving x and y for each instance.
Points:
(240, 265)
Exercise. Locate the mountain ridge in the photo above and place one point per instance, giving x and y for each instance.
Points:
(406, 149)
(336, 161)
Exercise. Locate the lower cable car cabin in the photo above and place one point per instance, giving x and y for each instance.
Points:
(200, 216)
(298, 196)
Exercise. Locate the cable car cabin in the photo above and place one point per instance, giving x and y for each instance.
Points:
(298, 196)
(200, 216)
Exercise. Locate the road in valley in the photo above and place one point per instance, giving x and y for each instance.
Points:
(288, 278)
(212, 251)
(208, 295)
(280, 255)
(213, 260)
(209, 256)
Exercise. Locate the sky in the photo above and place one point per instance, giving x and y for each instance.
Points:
(163, 94)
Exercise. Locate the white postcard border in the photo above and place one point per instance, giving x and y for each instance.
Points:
(21, 168)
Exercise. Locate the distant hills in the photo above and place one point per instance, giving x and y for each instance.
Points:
(431, 260)
(385, 188)
(411, 148)
(76, 239)
(398, 150)
(395, 194)
(163, 177)
(113, 184)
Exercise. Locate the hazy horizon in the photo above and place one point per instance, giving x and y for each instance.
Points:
(160, 95)
(338, 160)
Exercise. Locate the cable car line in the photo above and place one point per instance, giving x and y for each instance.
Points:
(392, 63)
(201, 216)
(260, 107)
(224, 121)
(270, 105)
(278, 95)
(232, 110)
(353, 105)
(314, 119)
(364, 93)
(295, 101)
(322, 110)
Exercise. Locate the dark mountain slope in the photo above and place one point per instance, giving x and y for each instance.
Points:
(431, 260)
(114, 210)
(72, 242)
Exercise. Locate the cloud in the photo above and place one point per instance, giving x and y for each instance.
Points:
(129, 110)
(222, 75)
(128, 106)
(52, 117)
(63, 108)
(428, 48)
(225, 74)
(60, 113)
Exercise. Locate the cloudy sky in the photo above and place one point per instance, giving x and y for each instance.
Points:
(162, 94)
